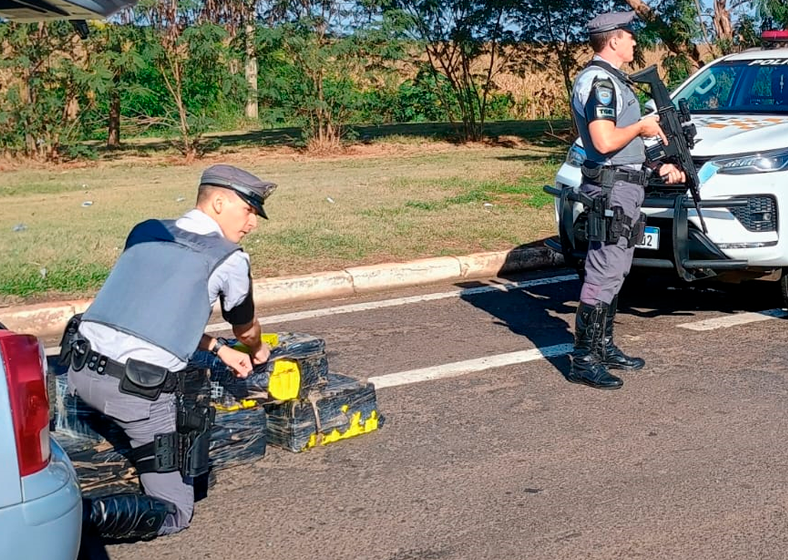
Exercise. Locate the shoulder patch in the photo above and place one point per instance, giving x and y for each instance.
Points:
(603, 91)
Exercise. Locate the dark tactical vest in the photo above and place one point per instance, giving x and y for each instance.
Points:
(158, 289)
(631, 154)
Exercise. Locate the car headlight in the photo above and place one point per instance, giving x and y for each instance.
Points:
(764, 162)
(575, 156)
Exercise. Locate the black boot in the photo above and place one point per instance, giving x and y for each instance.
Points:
(614, 357)
(588, 357)
(126, 516)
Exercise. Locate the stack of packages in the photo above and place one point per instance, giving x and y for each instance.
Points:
(306, 405)
(97, 446)
(292, 402)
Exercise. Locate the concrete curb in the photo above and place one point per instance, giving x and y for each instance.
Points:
(48, 319)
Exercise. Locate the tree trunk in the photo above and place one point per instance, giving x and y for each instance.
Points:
(251, 73)
(27, 98)
(722, 21)
(113, 128)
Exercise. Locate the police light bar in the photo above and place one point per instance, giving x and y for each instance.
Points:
(775, 36)
(40, 10)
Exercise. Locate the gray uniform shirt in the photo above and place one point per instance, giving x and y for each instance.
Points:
(230, 278)
(627, 111)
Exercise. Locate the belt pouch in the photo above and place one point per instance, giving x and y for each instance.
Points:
(79, 351)
(616, 229)
(165, 452)
(143, 380)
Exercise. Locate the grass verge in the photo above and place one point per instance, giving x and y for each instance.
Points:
(61, 228)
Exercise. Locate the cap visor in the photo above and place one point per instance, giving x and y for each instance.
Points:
(258, 207)
(251, 198)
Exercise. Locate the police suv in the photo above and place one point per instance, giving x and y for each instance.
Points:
(738, 105)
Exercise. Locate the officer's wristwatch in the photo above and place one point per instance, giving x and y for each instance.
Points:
(219, 343)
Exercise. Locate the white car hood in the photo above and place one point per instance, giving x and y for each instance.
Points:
(738, 134)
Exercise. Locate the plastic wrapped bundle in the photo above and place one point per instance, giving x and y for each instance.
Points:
(302, 356)
(104, 470)
(78, 427)
(343, 408)
(238, 438)
(298, 365)
(97, 446)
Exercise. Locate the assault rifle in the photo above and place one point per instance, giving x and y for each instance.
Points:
(677, 126)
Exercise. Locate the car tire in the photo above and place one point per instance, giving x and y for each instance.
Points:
(783, 286)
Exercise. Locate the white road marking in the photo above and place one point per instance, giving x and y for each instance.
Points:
(468, 366)
(356, 307)
(734, 320)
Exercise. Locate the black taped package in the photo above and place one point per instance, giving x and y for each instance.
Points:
(344, 407)
(97, 446)
(297, 366)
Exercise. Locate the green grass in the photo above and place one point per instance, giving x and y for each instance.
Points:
(527, 191)
(66, 277)
(381, 202)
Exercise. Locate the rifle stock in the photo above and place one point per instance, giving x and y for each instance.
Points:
(678, 129)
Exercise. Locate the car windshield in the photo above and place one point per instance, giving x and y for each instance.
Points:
(742, 86)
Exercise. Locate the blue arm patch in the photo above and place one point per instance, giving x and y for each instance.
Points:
(601, 104)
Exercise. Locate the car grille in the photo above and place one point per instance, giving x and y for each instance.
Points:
(760, 214)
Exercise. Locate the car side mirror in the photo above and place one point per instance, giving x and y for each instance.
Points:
(651, 106)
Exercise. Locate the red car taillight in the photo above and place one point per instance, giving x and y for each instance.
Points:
(25, 371)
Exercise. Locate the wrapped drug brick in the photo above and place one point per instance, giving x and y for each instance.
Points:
(342, 408)
(298, 365)
(97, 446)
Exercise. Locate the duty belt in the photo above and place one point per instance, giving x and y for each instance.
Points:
(137, 378)
(607, 176)
(84, 356)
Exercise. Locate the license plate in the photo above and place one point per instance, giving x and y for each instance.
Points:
(650, 239)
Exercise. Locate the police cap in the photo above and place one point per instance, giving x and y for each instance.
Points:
(611, 21)
(249, 187)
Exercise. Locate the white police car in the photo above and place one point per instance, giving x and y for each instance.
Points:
(739, 105)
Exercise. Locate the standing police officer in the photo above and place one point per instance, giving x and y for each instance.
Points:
(129, 354)
(607, 114)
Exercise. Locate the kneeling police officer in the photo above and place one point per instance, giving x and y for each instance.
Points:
(607, 113)
(128, 355)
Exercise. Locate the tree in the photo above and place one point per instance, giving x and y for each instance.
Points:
(115, 47)
(328, 50)
(775, 11)
(556, 27)
(53, 82)
(239, 17)
(723, 29)
(184, 51)
(673, 22)
(465, 42)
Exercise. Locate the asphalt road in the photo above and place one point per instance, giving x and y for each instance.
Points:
(687, 461)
